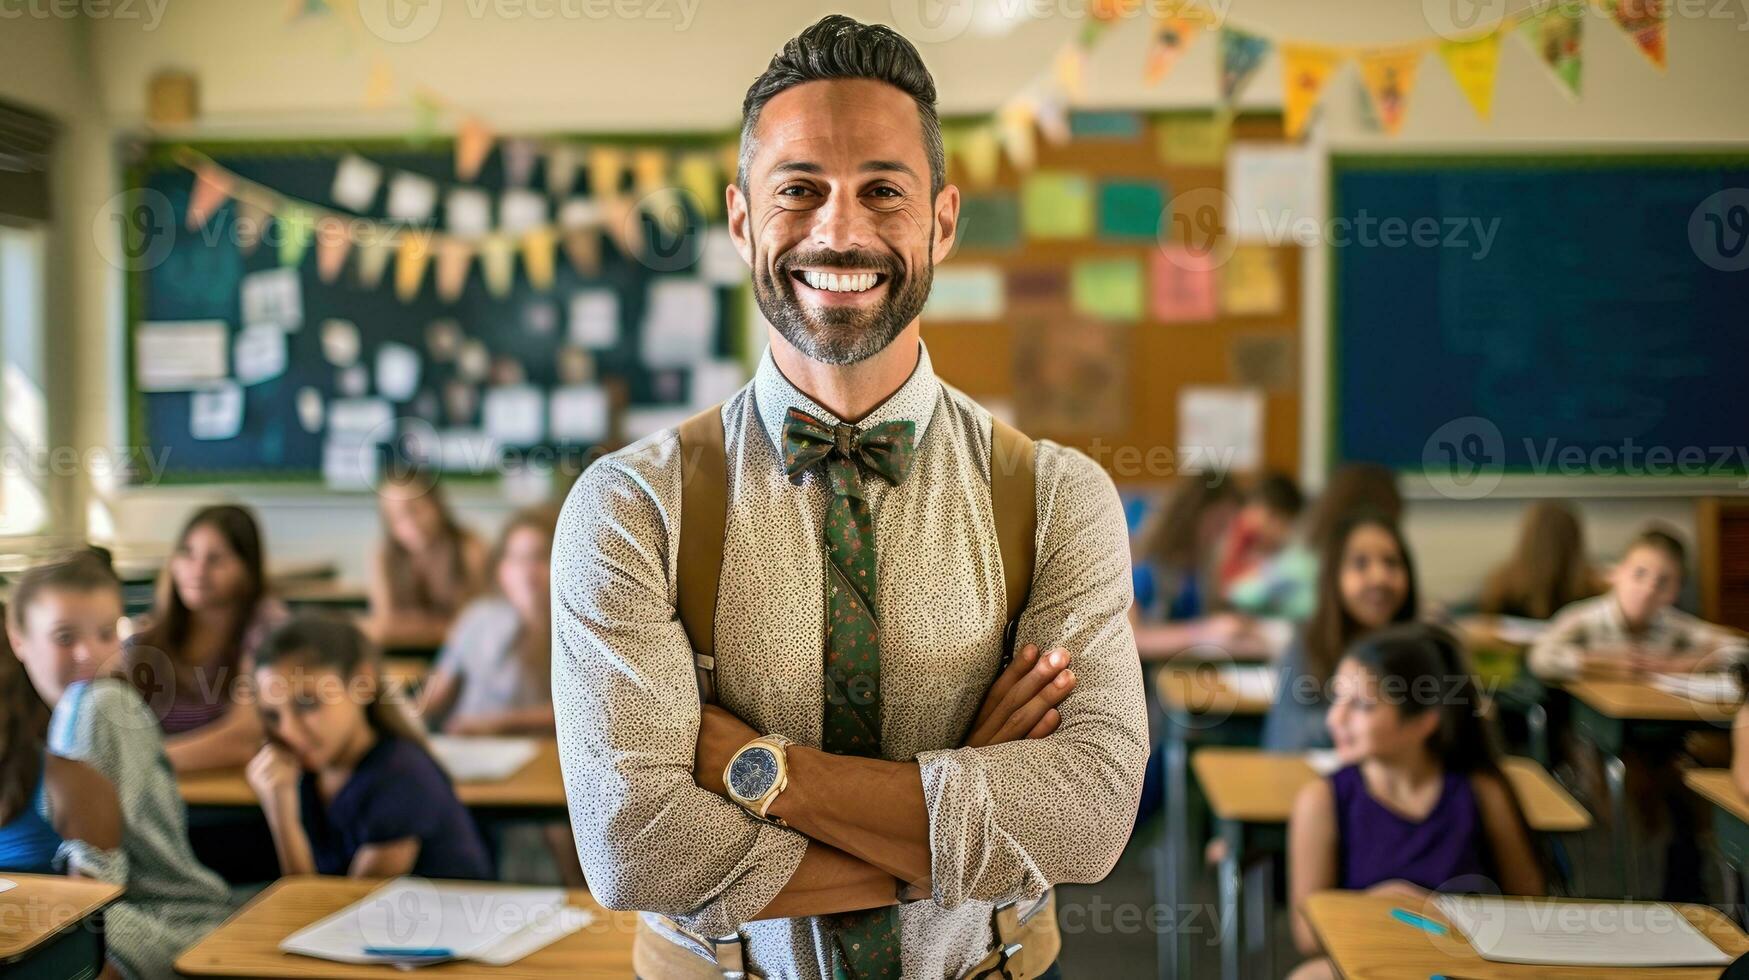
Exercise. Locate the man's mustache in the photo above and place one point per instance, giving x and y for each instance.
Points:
(842, 260)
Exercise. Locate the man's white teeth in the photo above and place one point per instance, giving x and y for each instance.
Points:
(834, 283)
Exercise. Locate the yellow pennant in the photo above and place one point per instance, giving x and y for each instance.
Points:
(981, 152)
(607, 166)
(454, 256)
(650, 169)
(410, 264)
(497, 264)
(1305, 70)
(537, 257)
(697, 174)
(1015, 121)
(1389, 76)
(1473, 65)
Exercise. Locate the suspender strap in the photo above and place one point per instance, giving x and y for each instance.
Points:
(704, 516)
(1013, 504)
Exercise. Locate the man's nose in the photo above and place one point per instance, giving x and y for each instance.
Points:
(841, 224)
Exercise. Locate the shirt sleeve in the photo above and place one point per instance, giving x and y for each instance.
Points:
(461, 639)
(1557, 654)
(626, 702)
(1007, 822)
(98, 723)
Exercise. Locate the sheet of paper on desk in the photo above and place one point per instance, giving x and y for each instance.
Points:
(1250, 682)
(1711, 688)
(1508, 930)
(7, 884)
(1323, 761)
(482, 759)
(1517, 629)
(492, 925)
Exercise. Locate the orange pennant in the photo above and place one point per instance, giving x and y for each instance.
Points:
(649, 170)
(1389, 76)
(1304, 72)
(473, 143)
(1172, 37)
(607, 166)
(373, 258)
(1646, 22)
(410, 264)
(332, 244)
(454, 256)
(212, 188)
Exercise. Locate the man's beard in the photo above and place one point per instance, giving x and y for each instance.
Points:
(840, 334)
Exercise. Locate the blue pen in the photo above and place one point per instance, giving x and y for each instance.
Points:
(1409, 918)
(419, 952)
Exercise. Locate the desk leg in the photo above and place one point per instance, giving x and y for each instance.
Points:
(1169, 942)
(1260, 897)
(1232, 894)
(1615, 777)
(1536, 719)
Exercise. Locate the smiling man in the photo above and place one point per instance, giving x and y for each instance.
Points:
(866, 790)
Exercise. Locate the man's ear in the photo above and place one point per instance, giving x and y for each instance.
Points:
(739, 230)
(947, 222)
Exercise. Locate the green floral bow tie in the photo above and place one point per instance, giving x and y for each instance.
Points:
(885, 449)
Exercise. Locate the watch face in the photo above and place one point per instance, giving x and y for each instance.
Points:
(753, 772)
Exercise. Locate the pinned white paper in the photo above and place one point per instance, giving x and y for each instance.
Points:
(467, 211)
(310, 408)
(273, 298)
(411, 197)
(578, 413)
(1220, 428)
(349, 463)
(216, 412)
(354, 381)
(363, 418)
(176, 355)
(680, 323)
(397, 371)
(579, 212)
(965, 293)
(356, 181)
(514, 415)
(715, 381)
(719, 263)
(1272, 189)
(259, 354)
(594, 318)
(521, 210)
(472, 362)
(340, 342)
(466, 451)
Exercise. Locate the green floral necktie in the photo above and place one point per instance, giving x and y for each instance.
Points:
(868, 941)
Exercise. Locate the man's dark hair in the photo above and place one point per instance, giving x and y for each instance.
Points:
(838, 47)
(1280, 495)
(1662, 538)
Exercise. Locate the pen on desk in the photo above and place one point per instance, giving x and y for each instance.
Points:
(1425, 924)
(422, 952)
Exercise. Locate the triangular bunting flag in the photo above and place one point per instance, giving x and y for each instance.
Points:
(454, 255)
(1015, 122)
(424, 121)
(697, 174)
(1389, 76)
(332, 244)
(519, 158)
(410, 264)
(607, 166)
(1172, 37)
(583, 249)
(212, 188)
(373, 258)
(625, 223)
(561, 168)
(1053, 119)
(473, 143)
(1473, 65)
(649, 169)
(1646, 22)
(1555, 37)
(1241, 55)
(1305, 69)
(379, 87)
(537, 257)
(497, 264)
(1068, 69)
(251, 224)
(295, 225)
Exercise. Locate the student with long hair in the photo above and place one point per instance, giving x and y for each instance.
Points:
(345, 779)
(1366, 581)
(1286, 585)
(1173, 569)
(1420, 804)
(1548, 569)
(104, 784)
(427, 567)
(210, 611)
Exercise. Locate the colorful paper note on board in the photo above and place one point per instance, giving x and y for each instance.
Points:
(1129, 210)
(1263, 360)
(1042, 286)
(1071, 376)
(965, 293)
(989, 222)
(1057, 205)
(1251, 282)
(1110, 289)
(1183, 290)
(1105, 125)
(1191, 140)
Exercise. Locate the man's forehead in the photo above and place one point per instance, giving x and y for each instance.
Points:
(837, 120)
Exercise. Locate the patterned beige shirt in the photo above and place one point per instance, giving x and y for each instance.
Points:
(1005, 821)
(1597, 622)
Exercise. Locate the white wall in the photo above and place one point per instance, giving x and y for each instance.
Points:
(261, 75)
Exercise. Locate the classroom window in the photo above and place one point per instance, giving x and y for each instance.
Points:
(23, 414)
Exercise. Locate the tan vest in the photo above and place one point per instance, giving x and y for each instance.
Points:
(1020, 949)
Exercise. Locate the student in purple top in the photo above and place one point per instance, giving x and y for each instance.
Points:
(345, 780)
(1420, 804)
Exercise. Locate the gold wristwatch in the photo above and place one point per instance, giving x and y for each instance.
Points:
(756, 773)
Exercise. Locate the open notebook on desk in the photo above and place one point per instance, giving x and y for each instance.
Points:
(413, 922)
(1517, 930)
(482, 758)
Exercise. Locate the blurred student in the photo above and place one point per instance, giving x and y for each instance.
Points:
(494, 675)
(427, 566)
(1173, 569)
(211, 611)
(345, 780)
(1420, 804)
(1366, 582)
(1634, 628)
(1548, 569)
(105, 786)
(1286, 586)
(1264, 526)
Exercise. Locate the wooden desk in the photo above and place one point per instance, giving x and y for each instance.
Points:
(1610, 713)
(324, 594)
(1252, 795)
(1730, 814)
(1362, 939)
(40, 924)
(247, 945)
(536, 790)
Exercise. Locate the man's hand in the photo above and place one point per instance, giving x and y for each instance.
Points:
(1023, 701)
(720, 736)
